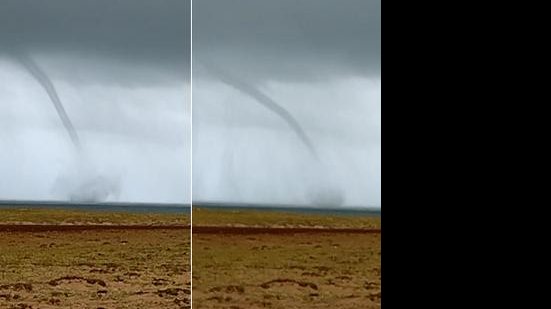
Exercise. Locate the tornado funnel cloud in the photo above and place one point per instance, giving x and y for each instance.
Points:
(324, 193)
(264, 100)
(83, 182)
(48, 86)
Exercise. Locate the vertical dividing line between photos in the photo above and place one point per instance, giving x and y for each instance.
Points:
(191, 155)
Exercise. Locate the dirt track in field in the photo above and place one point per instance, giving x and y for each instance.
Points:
(83, 227)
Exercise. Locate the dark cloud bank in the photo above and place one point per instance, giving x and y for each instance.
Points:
(290, 40)
(151, 33)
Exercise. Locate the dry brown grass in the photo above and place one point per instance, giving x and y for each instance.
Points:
(301, 270)
(95, 268)
(242, 217)
(22, 215)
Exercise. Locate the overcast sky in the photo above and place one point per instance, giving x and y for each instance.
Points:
(320, 61)
(121, 69)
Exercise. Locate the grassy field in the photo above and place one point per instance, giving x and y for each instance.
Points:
(105, 268)
(209, 217)
(301, 270)
(149, 268)
(73, 216)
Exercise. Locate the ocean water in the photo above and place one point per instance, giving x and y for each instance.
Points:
(185, 208)
(117, 207)
(352, 211)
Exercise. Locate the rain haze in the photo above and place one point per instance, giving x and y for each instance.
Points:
(287, 102)
(95, 100)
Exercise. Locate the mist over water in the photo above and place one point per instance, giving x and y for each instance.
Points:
(83, 183)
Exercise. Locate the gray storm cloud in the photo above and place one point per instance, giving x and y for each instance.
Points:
(290, 40)
(151, 34)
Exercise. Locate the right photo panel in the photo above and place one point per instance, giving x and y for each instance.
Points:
(286, 120)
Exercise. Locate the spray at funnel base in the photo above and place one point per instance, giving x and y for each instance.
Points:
(323, 192)
(84, 183)
(94, 190)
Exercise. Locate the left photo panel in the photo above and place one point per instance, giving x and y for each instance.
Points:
(95, 154)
